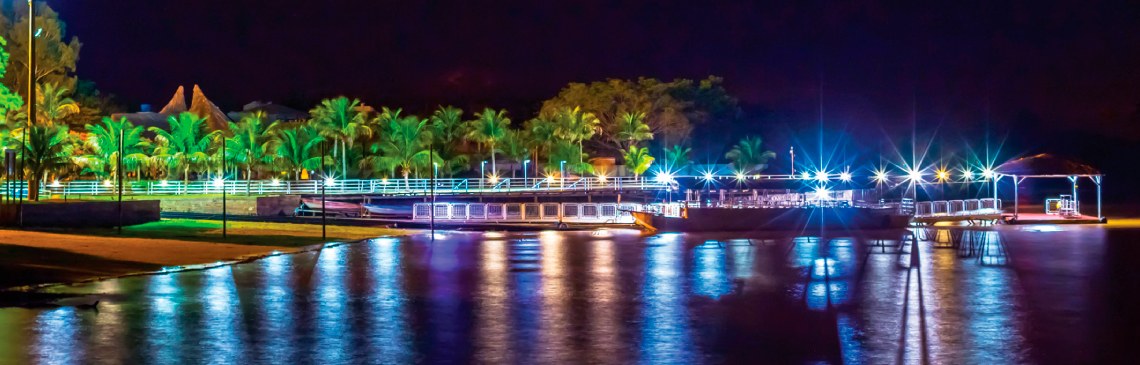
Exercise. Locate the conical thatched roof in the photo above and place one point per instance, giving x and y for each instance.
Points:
(204, 108)
(176, 105)
(1045, 164)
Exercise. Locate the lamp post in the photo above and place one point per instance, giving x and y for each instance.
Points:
(562, 175)
(524, 173)
(223, 181)
(482, 175)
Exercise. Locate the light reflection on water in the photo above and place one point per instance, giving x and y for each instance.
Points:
(567, 297)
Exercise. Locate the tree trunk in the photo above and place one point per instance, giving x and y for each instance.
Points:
(494, 171)
(34, 188)
(248, 179)
(344, 160)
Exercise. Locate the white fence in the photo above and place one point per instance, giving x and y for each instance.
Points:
(942, 208)
(374, 186)
(527, 212)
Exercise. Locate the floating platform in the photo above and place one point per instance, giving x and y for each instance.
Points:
(1041, 218)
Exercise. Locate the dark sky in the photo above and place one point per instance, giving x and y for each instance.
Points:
(1058, 65)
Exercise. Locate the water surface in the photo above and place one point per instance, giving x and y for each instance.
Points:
(1037, 294)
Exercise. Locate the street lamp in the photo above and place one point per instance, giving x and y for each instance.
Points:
(482, 174)
(524, 172)
(436, 164)
(562, 175)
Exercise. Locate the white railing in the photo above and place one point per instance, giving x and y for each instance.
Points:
(527, 212)
(952, 208)
(374, 186)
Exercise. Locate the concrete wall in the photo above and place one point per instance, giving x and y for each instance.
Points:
(273, 206)
(211, 205)
(82, 214)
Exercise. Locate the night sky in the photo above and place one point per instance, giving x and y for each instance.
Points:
(968, 65)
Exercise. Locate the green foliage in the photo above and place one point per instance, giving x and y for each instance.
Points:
(185, 148)
(448, 130)
(341, 120)
(406, 147)
(252, 144)
(8, 99)
(102, 147)
(749, 155)
(489, 128)
(630, 128)
(46, 149)
(55, 59)
(297, 149)
(677, 158)
(52, 105)
(638, 160)
(563, 150)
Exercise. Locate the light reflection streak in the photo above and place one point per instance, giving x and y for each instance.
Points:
(492, 318)
(554, 325)
(221, 320)
(163, 326)
(742, 259)
(108, 330)
(57, 337)
(605, 316)
(664, 331)
(445, 320)
(709, 278)
(392, 339)
(276, 316)
(332, 298)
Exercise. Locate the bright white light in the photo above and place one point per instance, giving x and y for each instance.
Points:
(494, 179)
(823, 193)
(880, 176)
(384, 181)
(821, 176)
(275, 182)
(968, 175)
(602, 178)
(218, 181)
(942, 175)
(740, 177)
(664, 177)
(987, 173)
(55, 183)
(806, 176)
(914, 175)
(709, 176)
(106, 182)
(330, 181)
(845, 176)
(162, 183)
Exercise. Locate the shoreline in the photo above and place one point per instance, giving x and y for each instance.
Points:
(31, 261)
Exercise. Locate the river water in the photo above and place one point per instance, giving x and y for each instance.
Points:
(1028, 294)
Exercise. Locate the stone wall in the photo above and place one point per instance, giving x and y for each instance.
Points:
(211, 205)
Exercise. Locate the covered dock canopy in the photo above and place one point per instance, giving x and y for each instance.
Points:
(1048, 166)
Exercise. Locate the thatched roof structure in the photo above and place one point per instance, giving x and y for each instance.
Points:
(1045, 164)
(199, 105)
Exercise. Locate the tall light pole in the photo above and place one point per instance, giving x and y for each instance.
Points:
(524, 173)
(562, 175)
(482, 175)
(223, 181)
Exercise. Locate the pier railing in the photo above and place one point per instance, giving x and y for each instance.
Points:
(951, 208)
(527, 212)
(334, 187)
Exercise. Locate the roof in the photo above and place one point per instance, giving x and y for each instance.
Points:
(1045, 164)
(273, 111)
(145, 119)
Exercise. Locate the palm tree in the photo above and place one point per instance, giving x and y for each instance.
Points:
(631, 129)
(677, 158)
(489, 128)
(515, 146)
(564, 150)
(749, 154)
(638, 160)
(103, 143)
(406, 147)
(46, 147)
(52, 105)
(342, 122)
(542, 135)
(448, 131)
(575, 125)
(186, 146)
(296, 149)
(252, 144)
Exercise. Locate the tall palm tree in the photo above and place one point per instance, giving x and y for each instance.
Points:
(296, 149)
(632, 129)
(186, 146)
(406, 147)
(489, 128)
(542, 135)
(342, 122)
(677, 158)
(638, 160)
(576, 125)
(46, 148)
(448, 131)
(102, 145)
(252, 143)
(52, 104)
(749, 154)
(564, 150)
(516, 147)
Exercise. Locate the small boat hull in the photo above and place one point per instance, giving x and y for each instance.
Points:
(774, 219)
